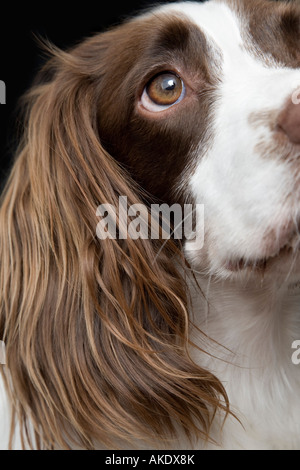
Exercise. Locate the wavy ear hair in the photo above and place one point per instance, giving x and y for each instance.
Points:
(96, 332)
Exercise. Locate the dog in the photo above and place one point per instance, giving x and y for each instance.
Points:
(140, 342)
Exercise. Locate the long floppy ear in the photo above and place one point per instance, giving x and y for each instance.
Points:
(96, 331)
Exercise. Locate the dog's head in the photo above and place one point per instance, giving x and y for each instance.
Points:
(204, 105)
(189, 103)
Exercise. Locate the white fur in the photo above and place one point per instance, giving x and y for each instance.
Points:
(245, 194)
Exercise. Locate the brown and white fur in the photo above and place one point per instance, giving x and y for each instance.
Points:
(106, 344)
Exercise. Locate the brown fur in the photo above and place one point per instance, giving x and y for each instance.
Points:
(97, 333)
(273, 29)
(166, 143)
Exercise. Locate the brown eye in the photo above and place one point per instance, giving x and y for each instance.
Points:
(163, 91)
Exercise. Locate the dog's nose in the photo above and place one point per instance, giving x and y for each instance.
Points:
(289, 121)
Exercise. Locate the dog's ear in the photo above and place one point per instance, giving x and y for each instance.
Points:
(96, 331)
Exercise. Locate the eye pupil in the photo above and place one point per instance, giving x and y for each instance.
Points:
(165, 89)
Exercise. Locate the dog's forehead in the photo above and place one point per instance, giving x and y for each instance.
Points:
(217, 20)
(268, 30)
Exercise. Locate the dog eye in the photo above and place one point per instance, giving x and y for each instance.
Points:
(163, 91)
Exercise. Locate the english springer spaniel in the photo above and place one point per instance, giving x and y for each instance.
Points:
(148, 342)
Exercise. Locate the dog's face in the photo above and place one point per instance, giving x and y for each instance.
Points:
(207, 110)
(248, 178)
